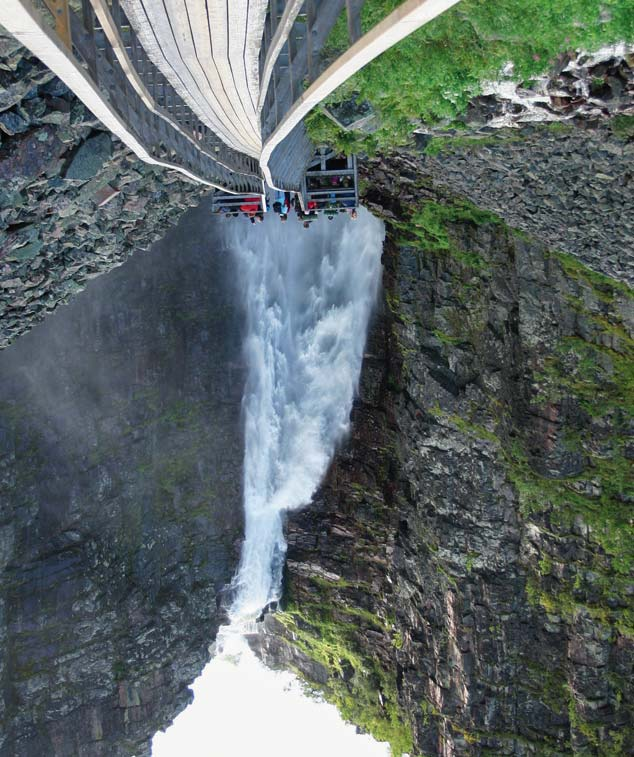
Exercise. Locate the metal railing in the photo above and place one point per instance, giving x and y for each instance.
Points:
(299, 62)
(101, 39)
(330, 184)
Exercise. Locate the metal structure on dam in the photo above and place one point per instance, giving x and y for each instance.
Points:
(215, 89)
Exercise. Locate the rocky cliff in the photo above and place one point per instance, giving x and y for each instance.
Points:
(462, 583)
(120, 500)
(569, 187)
(74, 201)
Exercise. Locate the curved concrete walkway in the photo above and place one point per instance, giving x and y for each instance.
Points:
(208, 50)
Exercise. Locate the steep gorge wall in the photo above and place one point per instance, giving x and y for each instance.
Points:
(120, 500)
(462, 583)
(74, 201)
(571, 188)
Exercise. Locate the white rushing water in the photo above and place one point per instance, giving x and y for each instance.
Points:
(308, 295)
(243, 709)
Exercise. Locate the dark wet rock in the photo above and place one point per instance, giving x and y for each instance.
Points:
(120, 484)
(90, 158)
(12, 123)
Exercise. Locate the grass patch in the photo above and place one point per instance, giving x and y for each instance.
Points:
(447, 144)
(431, 75)
(428, 228)
(623, 126)
(603, 286)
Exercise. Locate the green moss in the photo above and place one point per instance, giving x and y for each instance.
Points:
(603, 286)
(557, 127)
(446, 338)
(604, 743)
(623, 126)
(364, 692)
(428, 710)
(545, 566)
(470, 560)
(428, 227)
(449, 144)
(470, 429)
(431, 75)
(328, 584)
(601, 381)
(549, 684)
(119, 670)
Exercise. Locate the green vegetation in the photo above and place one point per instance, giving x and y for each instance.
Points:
(427, 226)
(623, 126)
(439, 145)
(431, 75)
(602, 286)
(331, 634)
(450, 143)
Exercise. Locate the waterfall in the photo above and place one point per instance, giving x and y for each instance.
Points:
(308, 295)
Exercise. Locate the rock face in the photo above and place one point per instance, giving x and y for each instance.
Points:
(581, 88)
(462, 583)
(74, 202)
(569, 187)
(120, 490)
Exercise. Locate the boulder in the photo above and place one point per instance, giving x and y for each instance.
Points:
(89, 158)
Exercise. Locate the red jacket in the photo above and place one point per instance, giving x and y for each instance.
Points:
(249, 206)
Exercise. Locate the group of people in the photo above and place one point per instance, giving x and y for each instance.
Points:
(310, 214)
(330, 203)
(284, 202)
(250, 207)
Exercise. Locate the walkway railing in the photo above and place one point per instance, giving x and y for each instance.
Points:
(125, 90)
(291, 103)
(330, 184)
(295, 33)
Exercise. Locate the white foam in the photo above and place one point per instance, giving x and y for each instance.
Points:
(308, 295)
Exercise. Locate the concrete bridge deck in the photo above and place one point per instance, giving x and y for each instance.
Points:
(209, 53)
